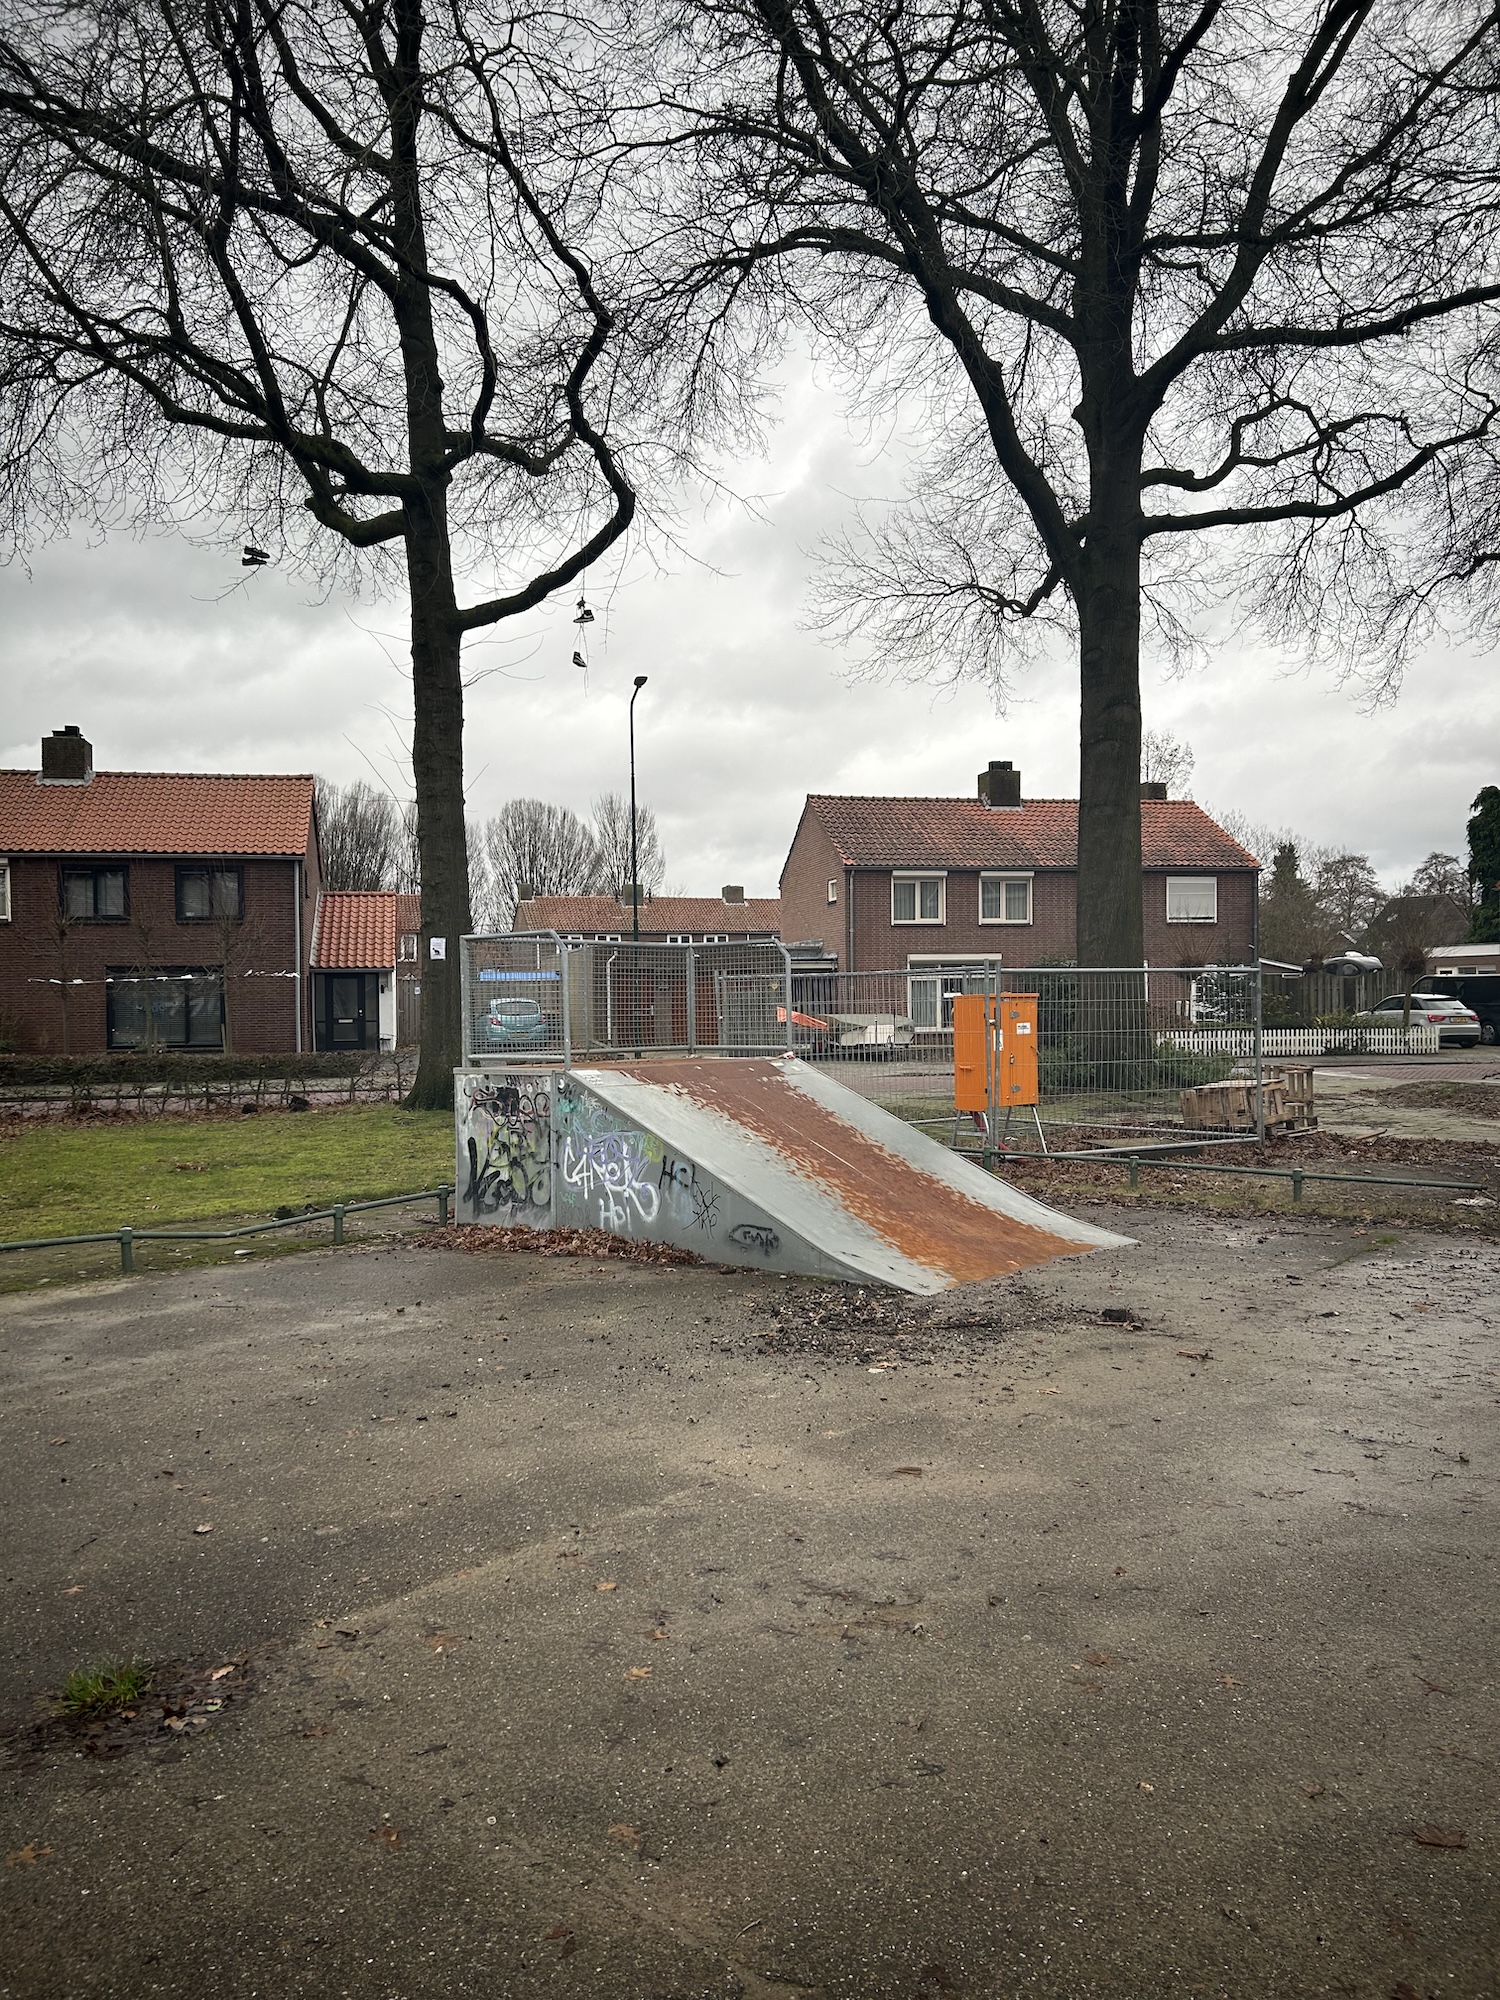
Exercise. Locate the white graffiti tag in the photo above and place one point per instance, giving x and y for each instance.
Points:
(613, 1165)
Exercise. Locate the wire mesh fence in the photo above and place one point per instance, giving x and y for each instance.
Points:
(543, 997)
(1123, 1055)
(1116, 1049)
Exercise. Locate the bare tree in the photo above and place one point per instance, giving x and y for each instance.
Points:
(1444, 875)
(535, 849)
(1167, 760)
(611, 830)
(1190, 295)
(1348, 893)
(361, 835)
(313, 269)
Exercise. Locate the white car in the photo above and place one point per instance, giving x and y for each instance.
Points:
(1457, 1025)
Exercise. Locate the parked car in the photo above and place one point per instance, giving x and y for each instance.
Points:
(516, 1024)
(1481, 991)
(1457, 1025)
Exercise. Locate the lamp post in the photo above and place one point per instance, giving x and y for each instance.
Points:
(635, 878)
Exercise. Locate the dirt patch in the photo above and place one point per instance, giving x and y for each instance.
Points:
(846, 1323)
(552, 1243)
(1470, 1100)
(183, 1699)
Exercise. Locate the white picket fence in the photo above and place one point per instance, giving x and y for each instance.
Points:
(1415, 1041)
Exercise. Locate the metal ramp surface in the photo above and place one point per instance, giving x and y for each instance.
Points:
(745, 1160)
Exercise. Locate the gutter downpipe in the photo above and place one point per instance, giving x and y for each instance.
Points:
(297, 925)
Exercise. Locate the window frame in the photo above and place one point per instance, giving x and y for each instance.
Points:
(405, 938)
(1004, 876)
(833, 889)
(4, 889)
(917, 877)
(231, 869)
(118, 976)
(1197, 881)
(69, 871)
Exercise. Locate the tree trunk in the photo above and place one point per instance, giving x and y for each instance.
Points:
(1110, 927)
(437, 752)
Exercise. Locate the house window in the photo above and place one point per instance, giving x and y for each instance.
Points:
(174, 1008)
(4, 892)
(833, 890)
(716, 937)
(406, 948)
(934, 983)
(679, 937)
(1192, 899)
(606, 937)
(98, 893)
(204, 894)
(1005, 899)
(917, 899)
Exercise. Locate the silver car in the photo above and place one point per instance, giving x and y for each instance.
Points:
(1457, 1025)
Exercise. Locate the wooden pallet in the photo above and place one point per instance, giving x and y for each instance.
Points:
(1231, 1106)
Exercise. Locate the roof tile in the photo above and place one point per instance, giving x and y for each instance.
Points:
(1041, 833)
(757, 915)
(356, 930)
(156, 812)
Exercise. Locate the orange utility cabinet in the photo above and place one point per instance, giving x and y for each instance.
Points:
(1016, 1051)
(973, 1050)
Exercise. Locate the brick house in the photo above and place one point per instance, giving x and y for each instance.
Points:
(145, 909)
(731, 917)
(890, 883)
(366, 969)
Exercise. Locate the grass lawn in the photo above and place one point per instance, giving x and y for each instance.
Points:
(62, 1179)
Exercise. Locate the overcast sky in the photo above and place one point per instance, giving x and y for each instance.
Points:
(744, 712)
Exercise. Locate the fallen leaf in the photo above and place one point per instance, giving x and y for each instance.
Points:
(204, 1528)
(606, 1586)
(631, 1835)
(27, 1856)
(57, 1440)
(637, 1674)
(388, 1837)
(1119, 1569)
(1047, 1391)
(1312, 1791)
(319, 1729)
(1194, 1354)
(1144, 1787)
(219, 1672)
(1228, 1681)
(557, 1933)
(908, 1471)
(444, 1642)
(658, 1633)
(1439, 1836)
(73, 1589)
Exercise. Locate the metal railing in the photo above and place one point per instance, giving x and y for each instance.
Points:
(127, 1237)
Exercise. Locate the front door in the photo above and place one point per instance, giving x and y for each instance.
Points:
(351, 1010)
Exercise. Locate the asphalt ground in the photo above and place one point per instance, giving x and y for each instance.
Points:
(622, 1631)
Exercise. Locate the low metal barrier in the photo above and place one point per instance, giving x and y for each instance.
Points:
(1133, 1161)
(127, 1238)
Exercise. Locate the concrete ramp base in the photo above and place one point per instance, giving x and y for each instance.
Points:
(760, 1162)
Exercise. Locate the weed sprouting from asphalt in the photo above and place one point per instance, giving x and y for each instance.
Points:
(90, 1691)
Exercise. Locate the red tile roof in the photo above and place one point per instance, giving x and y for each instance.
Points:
(757, 916)
(1042, 833)
(155, 812)
(355, 929)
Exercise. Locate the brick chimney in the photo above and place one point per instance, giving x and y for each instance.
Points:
(733, 892)
(67, 757)
(1153, 788)
(1000, 785)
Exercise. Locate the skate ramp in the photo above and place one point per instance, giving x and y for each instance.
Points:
(750, 1161)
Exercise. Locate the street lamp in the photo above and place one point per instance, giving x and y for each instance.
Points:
(635, 877)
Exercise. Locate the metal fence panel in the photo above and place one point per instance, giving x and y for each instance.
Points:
(1113, 1047)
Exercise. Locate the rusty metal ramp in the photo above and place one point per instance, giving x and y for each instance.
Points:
(749, 1161)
